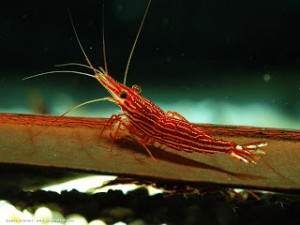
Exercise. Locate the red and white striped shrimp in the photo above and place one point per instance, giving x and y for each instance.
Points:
(151, 126)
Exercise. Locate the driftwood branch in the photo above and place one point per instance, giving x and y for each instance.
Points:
(73, 143)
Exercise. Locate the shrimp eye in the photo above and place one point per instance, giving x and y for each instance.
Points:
(123, 94)
(136, 88)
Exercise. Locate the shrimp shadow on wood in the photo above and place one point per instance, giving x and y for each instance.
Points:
(161, 154)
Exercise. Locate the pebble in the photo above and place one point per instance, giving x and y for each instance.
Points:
(97, 222)
(75, 219)
(43, 215)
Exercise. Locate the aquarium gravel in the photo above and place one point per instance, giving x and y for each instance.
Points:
(138, 208)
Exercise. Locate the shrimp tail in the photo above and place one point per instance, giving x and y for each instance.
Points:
(250, 152)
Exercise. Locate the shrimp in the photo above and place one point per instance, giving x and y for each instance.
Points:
(149, 125)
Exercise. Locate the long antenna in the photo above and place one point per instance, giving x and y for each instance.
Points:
(103, 41)
(134, 43)
(80, 45)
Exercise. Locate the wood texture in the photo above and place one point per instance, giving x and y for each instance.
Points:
(73, 143)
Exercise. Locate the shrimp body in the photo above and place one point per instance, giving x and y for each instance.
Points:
(151, 126)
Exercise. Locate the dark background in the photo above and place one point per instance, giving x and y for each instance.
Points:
(243, 51)
(207, 34)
